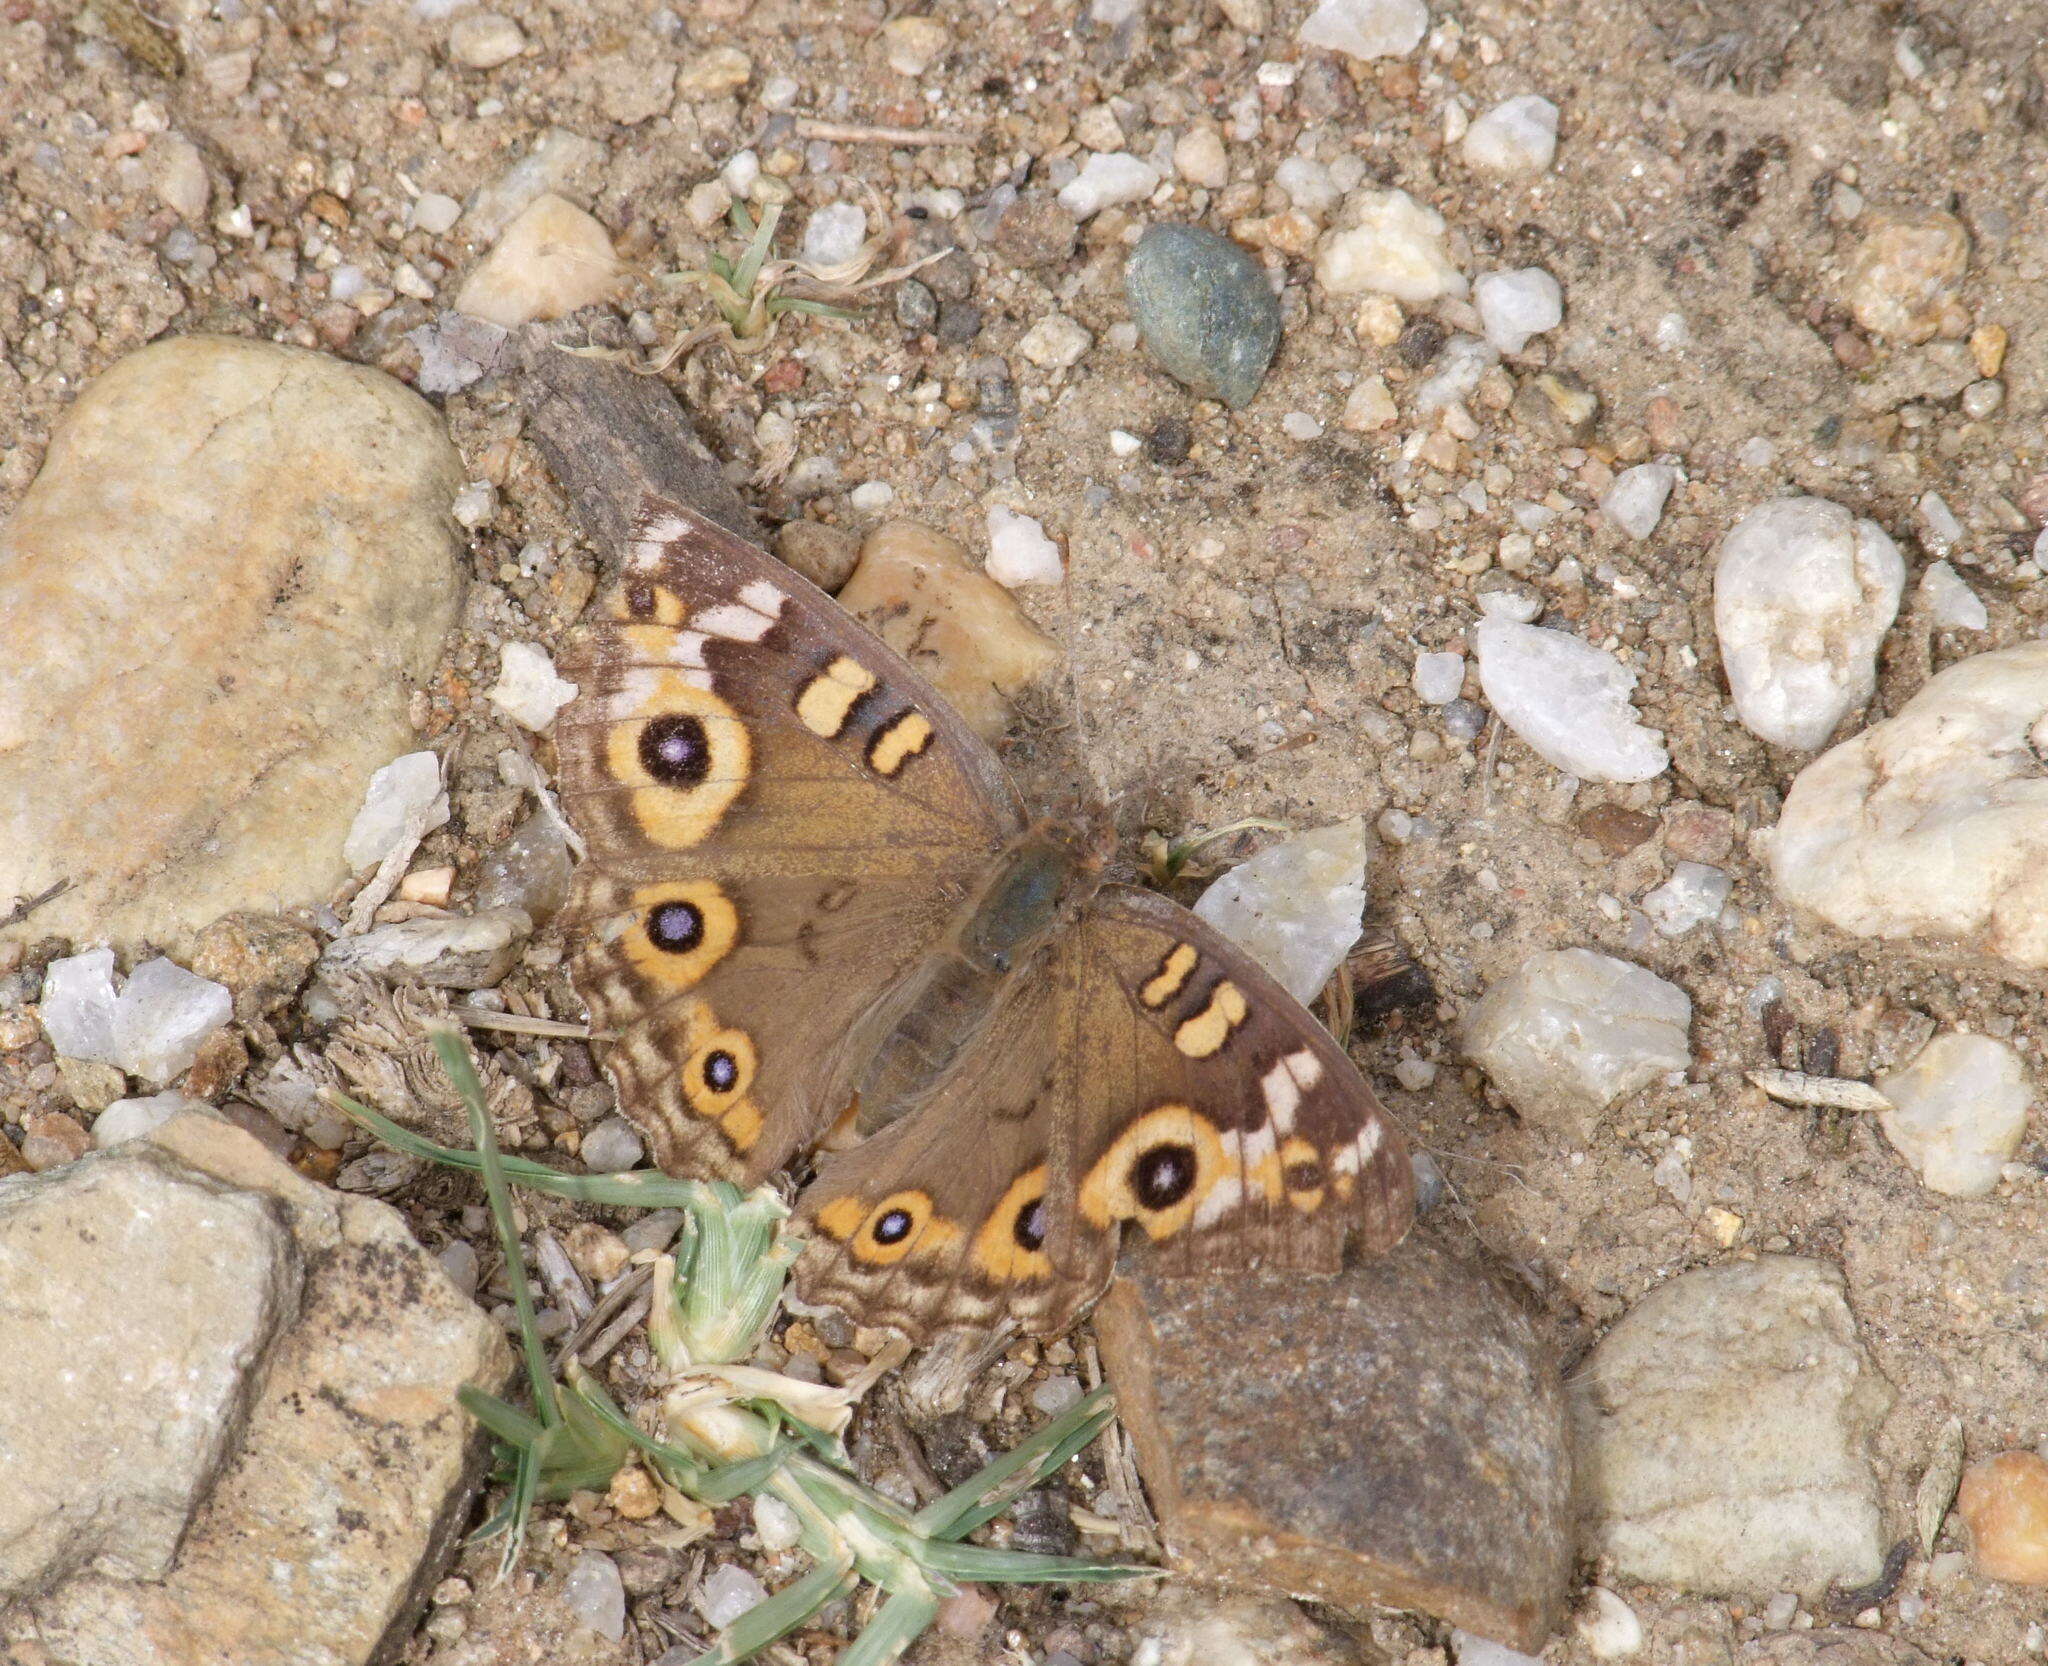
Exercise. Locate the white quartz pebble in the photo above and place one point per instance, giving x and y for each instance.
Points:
(1950, 602)
(1439, 678)
(1297, 905)
(1568, 700)
(1393, 246)
(1515, 137)
(1635, 502)
(1959, 1112)
(1019, 552)
(1366, 28)
(527, 690)
(1515, 305)
(1106, 180)
(1803, 594)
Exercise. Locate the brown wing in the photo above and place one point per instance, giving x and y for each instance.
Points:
(782, 818)
(1147, 1072)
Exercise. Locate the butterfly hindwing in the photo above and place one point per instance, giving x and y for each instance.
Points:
(783, 820)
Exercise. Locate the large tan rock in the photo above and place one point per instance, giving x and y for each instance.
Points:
(347, 1466)
(236, 560)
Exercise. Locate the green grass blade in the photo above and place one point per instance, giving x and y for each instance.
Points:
(768, 1622)
(505, 1420)
(455, 1059)
(992, 1489)
(992, 1566)
(899, 1623)
(779, 304)
(758, 248)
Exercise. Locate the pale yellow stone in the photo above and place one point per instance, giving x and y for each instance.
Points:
(911, 45)
(1200, 159)
(2004, 1503)
(553, 259)
(716, 74)
(922, 593)
(234, 564)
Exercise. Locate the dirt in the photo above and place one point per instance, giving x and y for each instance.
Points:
(1243, 608)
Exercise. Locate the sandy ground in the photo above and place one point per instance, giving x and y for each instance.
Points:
(1243, 621)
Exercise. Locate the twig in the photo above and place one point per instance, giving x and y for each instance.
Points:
(28, 905)
(856, 133)
(518, 1023)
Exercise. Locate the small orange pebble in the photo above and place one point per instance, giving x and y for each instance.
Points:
(634, 1495)
(2004, 1503)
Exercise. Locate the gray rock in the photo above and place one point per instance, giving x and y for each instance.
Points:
(143, 1297)
(1723, 1433)
(235, 561)
(1424, 1462)
(345, 1467)
(465, 951)
(1205, 309)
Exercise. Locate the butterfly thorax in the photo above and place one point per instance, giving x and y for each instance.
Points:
(1033, 890)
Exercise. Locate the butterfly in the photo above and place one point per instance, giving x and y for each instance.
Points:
(812, 894)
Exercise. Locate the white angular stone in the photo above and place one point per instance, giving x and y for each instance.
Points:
(1518, 304)
(464, 951)
(612, 1147)
(1394, 246)
(1568, 700)
(1019, 551)
(775, 1523)
(595, 1593)
(1366, 28)
(1460, 368)
(484, 41)
(163, 1015)
(728, 1591)
(834, 234)
(1106, 180)
(1959, 1112)
(1308, 185)
(1635, 502)
(1608, 1626)
(1950, 602)
(1470, 1649)
(77, 1008)
(1439, 678)
(1297, 906)
(1573, 1030)
(405, 791)
(527, 690)
(1515, 137)
(1055, 342)
(553, 259)
(130, 1119)
(1803, 594)
(1933, 825)
(1724, 1429)
(1692, 895)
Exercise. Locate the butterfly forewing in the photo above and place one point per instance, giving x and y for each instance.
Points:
(782, 819)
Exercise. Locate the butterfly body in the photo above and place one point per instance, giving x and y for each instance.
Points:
(811, 886)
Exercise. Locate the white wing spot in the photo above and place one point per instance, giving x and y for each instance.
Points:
(688, 648)
(665, 529)
(1260, 1144)
(734, 623)
(1226, 1195)
(763, 597)
(1283, 1094)
(1368, 1141)
(646, 553)
(1305, 1068)
(1345, 1160)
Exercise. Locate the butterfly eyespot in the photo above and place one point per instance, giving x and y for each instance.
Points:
(1028, 1228)
(892, 1228)
(1011, 1243)
(1162, 1176)
(682, 930)
(901, 1224)
(721, 1072)
(675, 750)
(675, 927)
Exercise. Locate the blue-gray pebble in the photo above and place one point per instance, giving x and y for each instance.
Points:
(1205, 309)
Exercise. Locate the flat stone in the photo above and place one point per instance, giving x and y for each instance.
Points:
(468, 951)
(1724, 1426)
(132, 1270)
(923, 594)
(1425, 1464)
(348, 1478)
(1297, 907)
(552, 259)
(235, 561)
(1205, 310)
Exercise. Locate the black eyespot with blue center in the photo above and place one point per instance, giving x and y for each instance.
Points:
(893, 1227)
(1029, 1227)
(675, 750)
(721, 1072)
(675, 927)
(1163, 1175)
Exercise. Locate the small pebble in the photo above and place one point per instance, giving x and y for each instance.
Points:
(1414, 1074)
(1469, 1649)
(1019, 552)
(527, 690)
(1901, 284)
(728, 1591)
(911, 45)
(1200, 159)
(485, 41)
(833, 236)
(129, 1119)
(1940, 531)
(718, 73)
(1608, 1626)
(1369, 408)
(1635, 502)
(1439, 678)
(1056, 1394)
(1107, 180)
(917, 308)
(407, 789)
(1959, 1112)
(1366, 29)
(551, 260)
(1299, 425)
(1204, 309)
(775, 1523)
(871, 497)
(1982, 399)
(1123, 443)
(1394, 246)
(1692, 895)
(1803, 595)
(2004, 1503)
(1568, 699)
(1951, 604)
(434, 213)
(1055, 342)
(596, 1595)
(1513, 306)
(612, 1147)
(1515, 137)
